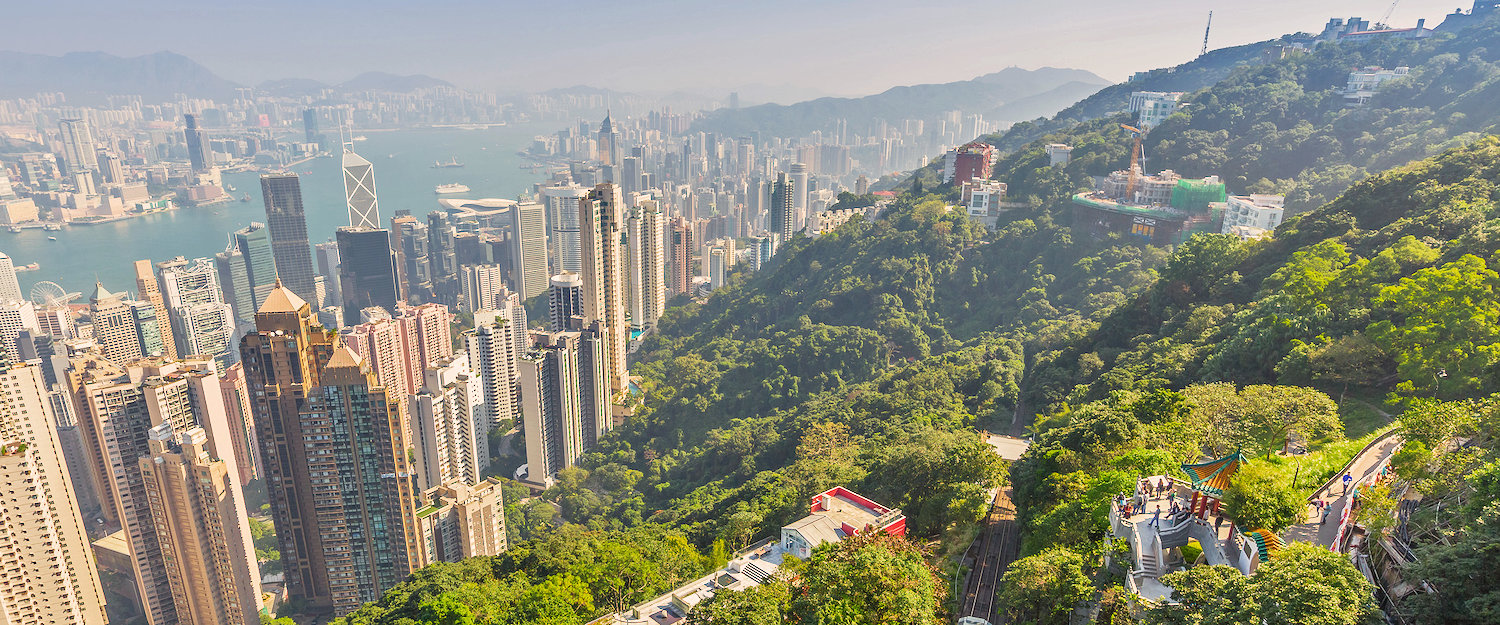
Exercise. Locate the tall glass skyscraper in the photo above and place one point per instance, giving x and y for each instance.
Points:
(289, 243)
(367, 271)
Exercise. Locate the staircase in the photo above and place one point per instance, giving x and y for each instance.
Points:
(756, 573)
(1149, 565)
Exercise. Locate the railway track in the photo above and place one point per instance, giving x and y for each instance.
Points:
(998, 547)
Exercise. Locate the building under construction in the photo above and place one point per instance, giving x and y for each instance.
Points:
(1163, 208)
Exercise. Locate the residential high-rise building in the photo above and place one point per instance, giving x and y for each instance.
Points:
(550, 408)
(529, 246)
(288, 226)
(114, 324)
(565, 301)
(359, 191)
(240, 419)
(480, 287)
(78, 153)
(367, 271)
(783, 207)
(410, 240)
(562, 220)
(601, 219)
(10, 287)
(648, 292)
(148, 290)
(199, 155)
(491, 347)
(593, 384)
(16, 317)
(334, 457)
(449, 424)
(198, 510)
(49, 575)
(800, 176)
(717, 267)
(680, 235)
(461, 520)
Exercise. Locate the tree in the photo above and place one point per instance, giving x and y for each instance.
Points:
(1302, 584)
(1206, 595)
(1432, 423)
(1258, 499)
(1045, 586)
(869, 578)
(766, 604)
(1273, 413)
(1445, 327)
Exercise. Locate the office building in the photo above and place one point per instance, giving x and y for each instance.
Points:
(460, 520)
(335, 467)
(562, 219)
(257, 262)
(359, 191)
(529, 246)
(198, 510)
(288, 227)
(367, 271)
(78, 153)
(680, 239)
(442, 257)
(49, 575)
(601, 219)
(409, 239)
(450, 427)
(565, 301)
(200, 157)
(206, 330)
(327, 255)
(609, 143)
(10, 287)
(149, 292)
(648, 291)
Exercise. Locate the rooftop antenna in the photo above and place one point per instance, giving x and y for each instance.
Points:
(1205, 33)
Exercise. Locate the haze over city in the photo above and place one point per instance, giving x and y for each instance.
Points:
(790, 50)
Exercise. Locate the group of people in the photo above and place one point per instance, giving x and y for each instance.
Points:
(1146, 490)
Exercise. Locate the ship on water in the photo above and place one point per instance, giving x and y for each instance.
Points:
(451, 188)
(450, 164)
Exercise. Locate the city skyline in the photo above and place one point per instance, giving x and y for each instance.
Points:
(794, 59)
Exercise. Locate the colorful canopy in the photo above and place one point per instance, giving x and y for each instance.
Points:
(1267, 542)
(1213, 477)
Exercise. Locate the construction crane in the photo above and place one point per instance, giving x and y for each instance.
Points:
(1135, 161)
(1385, 20)
(1205, 33)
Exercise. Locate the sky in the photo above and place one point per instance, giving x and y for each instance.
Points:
(833, 47)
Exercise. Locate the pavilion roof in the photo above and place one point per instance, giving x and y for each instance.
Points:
(1213, 477)
(1266, 541)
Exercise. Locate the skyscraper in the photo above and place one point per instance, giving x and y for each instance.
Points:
(150, 292)
(565, 301)
(529, 244)
(49, 574)
(199, 155)
(601, 219)
(409, 238)
(550, 405)
(491, 350)
(202, 323)
(442, 257)
(648, 292)
(562, 219)
(609, 143)
(288, 225)
(359, 191)
(257, 255)
(198, 510)
(10, 287)
(327, 255)
(800, 176)
(16, 317)
(239, 417)
(681, 240)
(783, 207)
(78, 153)
(335, 457)
(367, 271)
(114, 322)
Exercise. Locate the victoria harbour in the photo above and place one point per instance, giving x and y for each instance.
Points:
(404, 176)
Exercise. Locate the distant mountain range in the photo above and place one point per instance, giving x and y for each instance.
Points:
(1007, 95)
(87, 77)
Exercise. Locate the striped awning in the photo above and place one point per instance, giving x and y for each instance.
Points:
(1213, 477)
(1265, 541)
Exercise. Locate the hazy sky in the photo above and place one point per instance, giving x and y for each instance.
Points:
(836, 47)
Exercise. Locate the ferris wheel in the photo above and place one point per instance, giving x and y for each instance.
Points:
(51, 294)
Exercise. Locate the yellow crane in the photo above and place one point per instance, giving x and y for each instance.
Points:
(1135, 161)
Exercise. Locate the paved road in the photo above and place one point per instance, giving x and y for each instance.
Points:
(1365, 468)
